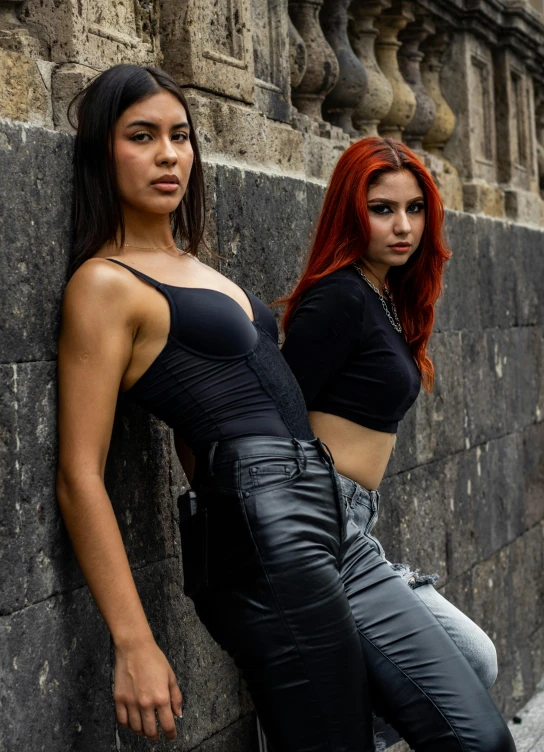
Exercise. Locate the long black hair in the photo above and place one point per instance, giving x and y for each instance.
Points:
(98, 216)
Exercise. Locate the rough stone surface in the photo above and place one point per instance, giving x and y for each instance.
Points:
(24, 94)
(34, 238)
(56, 677)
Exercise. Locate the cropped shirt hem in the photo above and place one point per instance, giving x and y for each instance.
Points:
(375, 425)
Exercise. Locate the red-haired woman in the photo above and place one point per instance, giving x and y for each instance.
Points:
(357, 327)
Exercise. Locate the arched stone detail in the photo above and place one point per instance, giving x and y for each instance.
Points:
(322, 68)
(379, 96)
(352, 81)
(410, 57)
(444, 122)
(402, 110)
(297, 56)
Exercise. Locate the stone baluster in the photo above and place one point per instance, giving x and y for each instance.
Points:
(352, 81)
(440, 132)
(297, 56)
(322, 69)
(389, 24)
(377, 101)
(410, 57)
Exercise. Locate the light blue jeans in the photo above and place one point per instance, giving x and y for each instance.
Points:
(363, 507)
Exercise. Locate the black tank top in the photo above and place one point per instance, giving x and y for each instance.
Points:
(220, 375)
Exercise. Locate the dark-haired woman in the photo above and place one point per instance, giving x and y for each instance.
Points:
(357, 327)
(262, 541)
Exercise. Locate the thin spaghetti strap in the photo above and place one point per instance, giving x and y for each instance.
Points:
(136, 272)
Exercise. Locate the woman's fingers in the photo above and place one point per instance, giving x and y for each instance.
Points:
(121, 712)
(166, 719)
(150, 724)
(135, 720)
(176, 698)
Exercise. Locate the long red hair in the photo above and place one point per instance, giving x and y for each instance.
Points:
(343, 234)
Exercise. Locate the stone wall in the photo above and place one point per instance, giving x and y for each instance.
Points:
(464, 495)
(278, 89)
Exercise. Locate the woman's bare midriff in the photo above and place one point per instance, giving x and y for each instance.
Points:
(359, 453)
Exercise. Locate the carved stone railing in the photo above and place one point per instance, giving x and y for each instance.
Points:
(352, 81)
(297, 56)
(410, 57)
(322, 67)
(402, 110)
(443, 124)
(377, 101)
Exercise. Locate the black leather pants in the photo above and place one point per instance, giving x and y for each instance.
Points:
(317, 622)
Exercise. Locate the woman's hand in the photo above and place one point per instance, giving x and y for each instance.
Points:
(144, 685)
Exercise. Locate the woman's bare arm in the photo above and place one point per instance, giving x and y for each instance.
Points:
(95, 347)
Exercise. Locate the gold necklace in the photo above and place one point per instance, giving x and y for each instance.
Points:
(151, 247)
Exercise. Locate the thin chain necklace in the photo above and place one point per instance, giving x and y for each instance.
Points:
(393, 319)
(153, 247)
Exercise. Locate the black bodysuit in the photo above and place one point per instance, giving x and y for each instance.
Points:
(220, 375)
(348, 359)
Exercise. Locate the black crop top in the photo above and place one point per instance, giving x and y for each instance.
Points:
(346, 356)
(220, 375)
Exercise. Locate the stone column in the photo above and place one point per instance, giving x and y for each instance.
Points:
(322, 68)
(297, 56)
(352, 81)
(377, 101)
(410, 57)
(389, 24)
(444, 121)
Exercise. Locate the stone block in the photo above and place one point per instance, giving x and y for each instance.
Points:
(468, 86)
(227, 130)
(207, 677)
(418, 496)
(522, 206)
(25, 93)
(526, 569)
(93, 33)
(209, 47)
(492, 597)
(480, 197)
(262, 227)
(533, 474)
(35, 240)
(36, 556)
(56, 677)
(439, 415)
(138, 480)
(404, 452)
(459, 591)
(497, 283)
(67, 81)
(527, 247)
(501, 381)
(459, 306)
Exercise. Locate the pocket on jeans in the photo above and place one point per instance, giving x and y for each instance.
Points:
(269, 473)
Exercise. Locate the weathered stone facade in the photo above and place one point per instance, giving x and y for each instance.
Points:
(278, 89)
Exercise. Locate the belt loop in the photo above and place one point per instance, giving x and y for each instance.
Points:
(211, 455)
(325, 452)
(300, 448)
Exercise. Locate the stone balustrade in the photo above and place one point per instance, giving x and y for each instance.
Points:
(461, 86)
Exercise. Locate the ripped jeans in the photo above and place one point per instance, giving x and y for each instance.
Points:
(363, 508)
